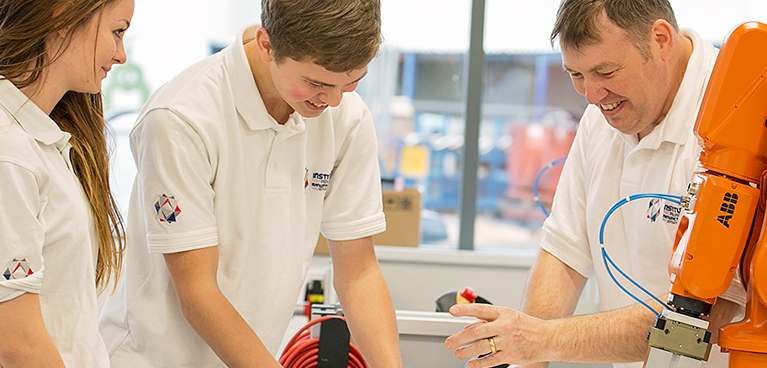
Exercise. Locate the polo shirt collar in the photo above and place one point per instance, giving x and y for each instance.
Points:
(246, 95)
(677, 126)
(29, 116)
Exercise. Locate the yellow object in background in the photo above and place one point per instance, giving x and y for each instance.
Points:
(414, 161)
(316, 299)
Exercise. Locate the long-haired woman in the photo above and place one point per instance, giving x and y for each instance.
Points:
(60, 232)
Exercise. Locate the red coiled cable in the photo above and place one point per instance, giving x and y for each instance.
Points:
(301, 351)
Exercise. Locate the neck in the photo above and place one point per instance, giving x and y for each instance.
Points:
(43, 94)
(274, 103)
(679, 66)
(677, 69)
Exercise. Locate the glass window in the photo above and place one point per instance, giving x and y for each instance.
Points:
(415, 90)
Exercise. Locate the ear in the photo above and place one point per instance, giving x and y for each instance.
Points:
(662, 38)
(55, 41)
(61, 33)
(264, 45)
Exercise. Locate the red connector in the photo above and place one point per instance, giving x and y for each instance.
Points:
(469, 294)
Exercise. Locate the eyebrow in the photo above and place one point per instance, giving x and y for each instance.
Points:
(592, 70)
(331, 85)
(127, 23)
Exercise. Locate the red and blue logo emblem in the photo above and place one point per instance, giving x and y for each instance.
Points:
(17, 269)
(653, 210)
(167, 209)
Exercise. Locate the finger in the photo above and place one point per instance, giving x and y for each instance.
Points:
(482, 311)
(491, 360)
(470, 335)
(479, 348)
(475, 324)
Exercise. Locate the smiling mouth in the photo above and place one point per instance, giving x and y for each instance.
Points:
(317, 106)
(610, 107)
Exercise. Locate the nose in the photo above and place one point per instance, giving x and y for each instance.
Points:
(333, 98)
(592, 90)
(120, 56)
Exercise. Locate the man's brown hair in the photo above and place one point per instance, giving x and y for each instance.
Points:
(339, 35)
(577, 21)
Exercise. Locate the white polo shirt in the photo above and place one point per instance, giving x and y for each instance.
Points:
(604, 166)
(214, 168)
(48, 244)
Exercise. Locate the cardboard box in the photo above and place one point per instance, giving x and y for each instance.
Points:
(403, 221)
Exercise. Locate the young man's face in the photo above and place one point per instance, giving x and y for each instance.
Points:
(309, 88)
(632, 92)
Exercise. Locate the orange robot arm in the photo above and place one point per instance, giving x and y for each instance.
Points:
(724, 206)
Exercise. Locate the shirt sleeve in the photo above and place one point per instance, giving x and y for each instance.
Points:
(175, 177)
(565, 233)
(21, 232)
(353, 206)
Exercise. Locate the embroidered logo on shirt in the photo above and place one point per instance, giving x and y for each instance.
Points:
(671, 214)
(306, 178)
(167, 209)
(653, 210)
(17, 269)
(320, 181)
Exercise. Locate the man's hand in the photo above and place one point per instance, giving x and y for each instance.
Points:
(518, 338)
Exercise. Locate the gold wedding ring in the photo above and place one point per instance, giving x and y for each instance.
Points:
(493, 349)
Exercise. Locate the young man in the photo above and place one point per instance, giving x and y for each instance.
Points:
(242, 160)
(644, 80)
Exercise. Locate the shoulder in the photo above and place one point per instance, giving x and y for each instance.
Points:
(195, 97)
(193, 91)
(16, 145)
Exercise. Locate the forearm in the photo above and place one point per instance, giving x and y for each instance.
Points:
(371, 318)
(209, 312)
(552, 289)
(365, 298)
(220, 325)
(619, 335)
(723, 313)
(552, 293)
(31, 345)
(606, 337)
(546, 299)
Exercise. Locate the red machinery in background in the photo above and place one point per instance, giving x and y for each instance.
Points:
(723, 228)
(534, 145)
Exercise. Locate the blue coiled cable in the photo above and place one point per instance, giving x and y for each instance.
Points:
(556, 162)
(606, 258)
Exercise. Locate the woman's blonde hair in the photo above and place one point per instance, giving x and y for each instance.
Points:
(25, 25)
